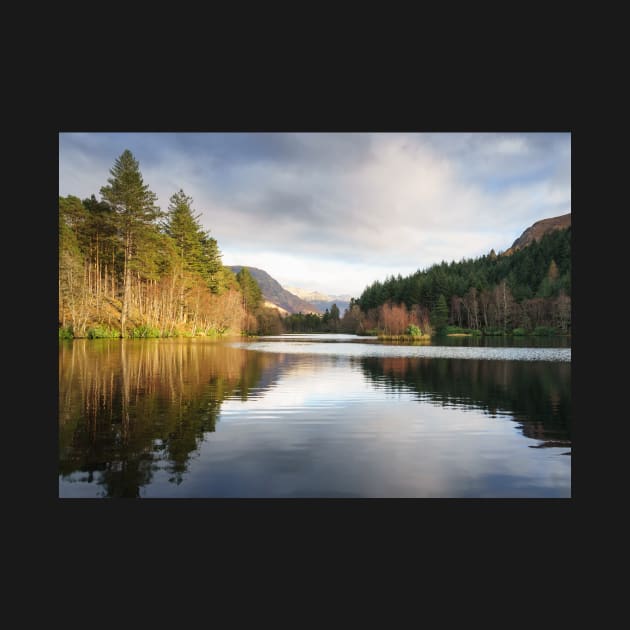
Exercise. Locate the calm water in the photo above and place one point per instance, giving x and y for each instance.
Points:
(314, 416)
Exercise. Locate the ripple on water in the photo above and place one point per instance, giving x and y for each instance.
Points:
(437, 352)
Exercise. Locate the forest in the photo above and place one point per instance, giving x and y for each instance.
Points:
(525, 292)
(128, 269)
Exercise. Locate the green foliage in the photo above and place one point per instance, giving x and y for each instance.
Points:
(66, 333)
(135, 213)
(72, 217)
(414, 331)
(439, 316)
(544, 331)
(115, 261)
(493, 332)
(252, 295)
(128, 195)
(210, 332)
(519, 332)
(226, 279)
(304, 323)
(145, 332)
(102, 332)
(314, 323)
(540, 270)
(197, 251)
(524, 270)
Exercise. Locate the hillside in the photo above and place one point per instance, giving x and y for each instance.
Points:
(321, 300)
(273, 292)
(536, 231)
(528, 290)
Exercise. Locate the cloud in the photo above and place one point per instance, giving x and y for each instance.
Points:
(340, 207)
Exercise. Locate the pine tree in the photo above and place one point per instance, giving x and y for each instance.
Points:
(184, 228)
(252, 295)
(439, 315)
(135, 210)
(211, 266)
(198, 251)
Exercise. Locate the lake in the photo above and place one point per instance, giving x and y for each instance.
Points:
(326, 416)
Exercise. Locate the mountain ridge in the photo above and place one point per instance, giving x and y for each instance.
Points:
(322, 301)
(275, 293)
(537, 230)
(307, 295)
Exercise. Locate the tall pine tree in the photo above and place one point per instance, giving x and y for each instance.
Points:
(199, 252)
(135, 210)
(439, 315)
(184, 228)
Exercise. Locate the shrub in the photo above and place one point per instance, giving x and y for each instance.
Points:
(216, 332)
(66, 333)
(144, 332)
(519, 332)
(492, 332)
(413, 330)
(544, 331)
(102, 332)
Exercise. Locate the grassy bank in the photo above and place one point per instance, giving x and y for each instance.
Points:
(404, 337)
(145, 332)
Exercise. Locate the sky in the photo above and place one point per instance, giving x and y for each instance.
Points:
(332, 212)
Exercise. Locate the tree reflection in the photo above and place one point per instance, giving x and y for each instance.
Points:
(536, 394)
(128, 408)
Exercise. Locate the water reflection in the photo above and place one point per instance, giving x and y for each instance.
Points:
(129, 408)
(535, 394)
(191, 417)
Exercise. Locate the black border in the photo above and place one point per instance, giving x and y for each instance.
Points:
(493, 522)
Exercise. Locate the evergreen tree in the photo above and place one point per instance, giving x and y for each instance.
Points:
(542, 270)
(252, 295)
(199, 252)
(72, 218)
(184, 228)
(213, 271)
(439, 315)
(135, 210)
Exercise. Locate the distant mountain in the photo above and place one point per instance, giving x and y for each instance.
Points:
(273, 292)
(321, 300)
(536, 231)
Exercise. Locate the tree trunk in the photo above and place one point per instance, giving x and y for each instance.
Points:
(126, 281)
(98, 280)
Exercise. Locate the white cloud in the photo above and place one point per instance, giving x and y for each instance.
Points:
(333, 212)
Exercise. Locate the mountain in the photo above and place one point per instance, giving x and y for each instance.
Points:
(321, 300)
(282, 311)
(273, 292)
(536, 231)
